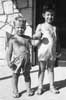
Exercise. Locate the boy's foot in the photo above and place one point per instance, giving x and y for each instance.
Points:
(30, 93)
(54, 90)
(15, 95)
(39, 91)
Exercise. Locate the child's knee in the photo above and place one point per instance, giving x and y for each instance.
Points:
(50, 66)
(27, 76)
(15, 75)
(51, 63)
(51, 69)
(42, 66)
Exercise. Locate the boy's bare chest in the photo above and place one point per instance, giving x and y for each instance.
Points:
(21, 42)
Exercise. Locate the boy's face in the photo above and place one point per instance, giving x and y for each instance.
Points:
(20, 27)
(48, 16)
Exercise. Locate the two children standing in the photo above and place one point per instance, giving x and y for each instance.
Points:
(19, 45)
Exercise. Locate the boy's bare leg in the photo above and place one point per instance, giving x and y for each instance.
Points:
(51, 77)
(28, 88)
(41, 72)
(15, 85)
(28, 83)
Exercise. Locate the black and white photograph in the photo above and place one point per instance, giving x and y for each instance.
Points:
(32, 50)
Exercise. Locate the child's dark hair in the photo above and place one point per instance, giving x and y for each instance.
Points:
(48, 7)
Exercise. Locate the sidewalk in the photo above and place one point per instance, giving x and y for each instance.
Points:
(60, 83)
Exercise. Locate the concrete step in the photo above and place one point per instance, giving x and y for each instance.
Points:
(61, 61)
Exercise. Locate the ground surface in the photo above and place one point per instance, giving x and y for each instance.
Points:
(60, 83)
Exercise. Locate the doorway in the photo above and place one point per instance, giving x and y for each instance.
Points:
(61, 21)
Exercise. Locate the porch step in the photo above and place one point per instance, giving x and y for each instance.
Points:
(62, 60)
(61, 63)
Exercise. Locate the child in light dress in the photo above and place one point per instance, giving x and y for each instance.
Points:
(46, 44)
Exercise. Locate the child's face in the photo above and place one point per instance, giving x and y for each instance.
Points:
(20, 27)
(48, 16)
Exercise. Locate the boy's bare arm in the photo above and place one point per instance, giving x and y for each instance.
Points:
(36, 38)
(9, 51)
(38, 33)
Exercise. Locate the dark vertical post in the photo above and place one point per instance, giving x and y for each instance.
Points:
(33, 29)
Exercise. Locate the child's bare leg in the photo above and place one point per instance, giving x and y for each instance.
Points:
(15, 85)
(42, 66)
(51, 76)
(51, 72)
(28, 83)
(41, 72)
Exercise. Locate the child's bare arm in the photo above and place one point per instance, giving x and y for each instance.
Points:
(36, 40)
(37, 36)
(38, 33)
(9, 51)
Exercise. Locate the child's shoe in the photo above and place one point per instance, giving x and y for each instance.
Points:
(39, 91)
(30, 93)
(15, 94)
(54, 90)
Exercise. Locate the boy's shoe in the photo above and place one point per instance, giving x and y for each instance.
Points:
(15, 95)
(54, 90)
(30, 93)
(39, 91)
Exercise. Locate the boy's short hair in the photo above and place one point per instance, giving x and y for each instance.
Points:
(48, 7)
(20, 19)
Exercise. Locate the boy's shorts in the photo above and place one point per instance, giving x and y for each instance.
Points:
(21, 63)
